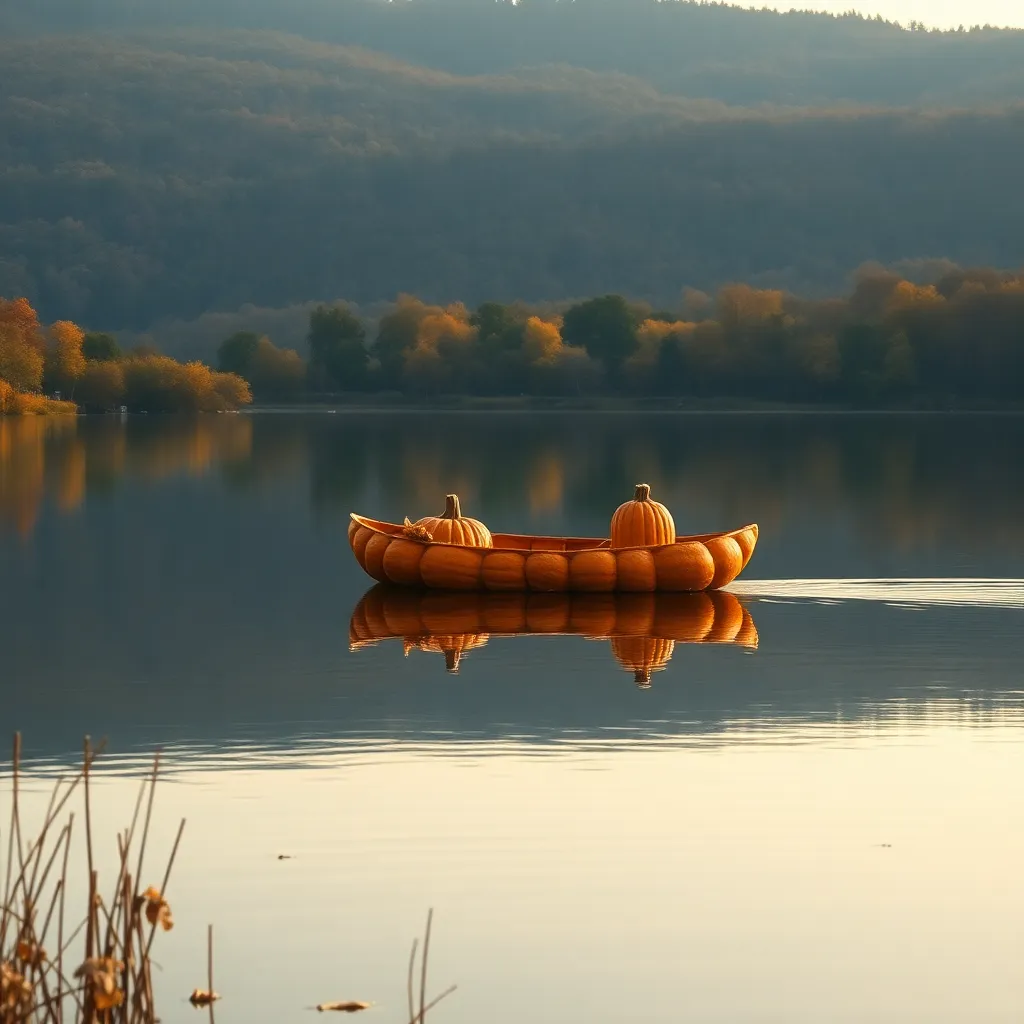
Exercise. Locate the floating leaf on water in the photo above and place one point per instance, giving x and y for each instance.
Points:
(200, 997)
(352, 1006)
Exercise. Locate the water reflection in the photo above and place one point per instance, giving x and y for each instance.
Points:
(63, 460)
(643, 629)
(920, 494)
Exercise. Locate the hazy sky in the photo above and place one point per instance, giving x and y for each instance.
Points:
(938, 13)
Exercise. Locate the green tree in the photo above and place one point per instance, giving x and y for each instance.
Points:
(235, 353)
(396, 335)
(100, 348)
(605, 327)
(337, 349)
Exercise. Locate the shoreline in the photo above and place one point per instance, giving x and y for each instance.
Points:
(348, 403)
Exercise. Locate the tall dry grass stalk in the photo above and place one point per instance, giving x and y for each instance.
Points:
(93, 965)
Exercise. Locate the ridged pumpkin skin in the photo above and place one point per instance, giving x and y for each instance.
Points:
(642, 522)
(452, 527)
(409, 556)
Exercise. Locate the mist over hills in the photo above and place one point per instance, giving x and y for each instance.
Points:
(160, 161)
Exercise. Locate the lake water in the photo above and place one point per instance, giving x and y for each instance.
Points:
(812, 809)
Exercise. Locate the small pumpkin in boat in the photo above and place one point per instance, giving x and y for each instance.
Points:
(642, 522)
(452, 527)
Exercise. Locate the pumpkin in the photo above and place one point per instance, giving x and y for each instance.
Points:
(451, 527)
(642, 655)
(642, 522)
(452, 646)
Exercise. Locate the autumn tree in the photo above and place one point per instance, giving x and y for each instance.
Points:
(65, 360)
(162, 384)
(277, 374)
(101, 386)
(21, 365)
(22, 345)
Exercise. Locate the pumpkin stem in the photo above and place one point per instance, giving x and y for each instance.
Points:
(451, 507)
(452, 658)
(643, 492)
(642, 677)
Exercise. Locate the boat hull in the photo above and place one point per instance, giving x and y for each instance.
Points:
(518, 562)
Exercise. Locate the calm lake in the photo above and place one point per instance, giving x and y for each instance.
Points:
(807, 804)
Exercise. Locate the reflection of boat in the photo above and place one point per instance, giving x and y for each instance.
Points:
(643, 628)
(394, 554)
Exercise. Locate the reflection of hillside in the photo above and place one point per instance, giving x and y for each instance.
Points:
(643, 628)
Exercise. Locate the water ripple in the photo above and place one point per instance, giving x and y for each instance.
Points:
(909, 593)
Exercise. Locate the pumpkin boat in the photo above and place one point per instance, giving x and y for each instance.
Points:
(643, 628)
(643, 554)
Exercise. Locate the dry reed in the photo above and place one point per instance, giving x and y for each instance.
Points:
(95, 968)
(100, 967)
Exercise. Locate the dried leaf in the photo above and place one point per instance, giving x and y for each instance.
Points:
(158, 911)
(200, 997)
(30, 953)
(353, 1006)
(15, 992)
(416, 532)
(100, 974)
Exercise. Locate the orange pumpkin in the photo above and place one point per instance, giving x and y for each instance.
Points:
(452, 646)
(642, 522)
(451, 527)
(642, 655)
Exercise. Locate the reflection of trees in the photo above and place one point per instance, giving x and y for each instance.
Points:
(62, 459)
(904, 480)
(910, 483)
(23, 442)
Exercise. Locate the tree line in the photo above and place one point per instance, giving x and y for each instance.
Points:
(59, 368)
(957, 340)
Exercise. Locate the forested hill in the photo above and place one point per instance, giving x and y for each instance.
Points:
(151, 172)
(695, 49)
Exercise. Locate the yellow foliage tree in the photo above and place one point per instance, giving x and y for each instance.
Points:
(444, 340)
(21, 345)
(740, 304)
(652, 334)
(65, 361)
(542, 341)
(907, 296)
(161, 384)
